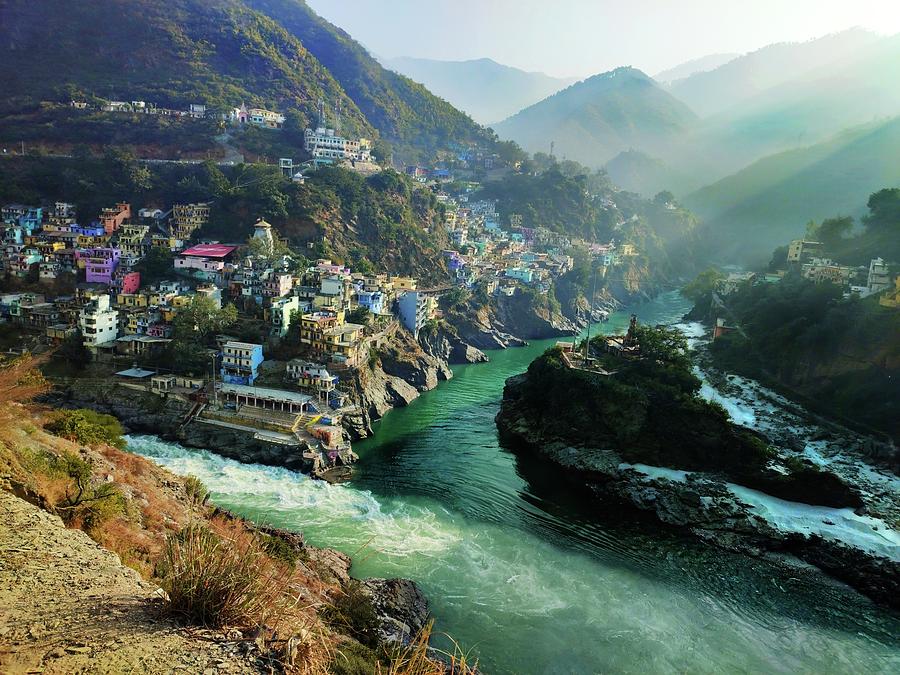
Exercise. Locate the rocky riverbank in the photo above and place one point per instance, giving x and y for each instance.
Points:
(141, 412)
(89, 611)
(831, 511)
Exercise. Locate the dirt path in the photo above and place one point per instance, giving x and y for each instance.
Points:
(69, 606)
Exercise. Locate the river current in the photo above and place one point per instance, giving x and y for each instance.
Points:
(520, 570)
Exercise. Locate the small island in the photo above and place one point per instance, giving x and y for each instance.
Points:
(623, 416)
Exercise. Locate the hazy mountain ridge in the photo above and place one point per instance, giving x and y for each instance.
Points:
(701, 64)
(487, 90)
(594, 120)
(758, 208)
(718, 90)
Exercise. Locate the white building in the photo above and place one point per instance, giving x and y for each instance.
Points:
(879, 278)
(98, 322)
(280, 315)
(322, 143)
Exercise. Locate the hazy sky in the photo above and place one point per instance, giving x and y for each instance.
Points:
(583, 37)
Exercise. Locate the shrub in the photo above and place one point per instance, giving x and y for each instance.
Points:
(214, 581)
(196, 491)
(84, 503)
(352, 611)
(87, 427)
(279, 549)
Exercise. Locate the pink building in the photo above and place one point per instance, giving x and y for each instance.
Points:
(100, 264)
(278, 285)
(129, 282)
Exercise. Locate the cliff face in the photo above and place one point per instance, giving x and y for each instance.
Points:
(842, 358)
(442, 341)
(393, 377)
(685, 464)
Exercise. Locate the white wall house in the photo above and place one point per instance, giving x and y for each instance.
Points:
(98, 322)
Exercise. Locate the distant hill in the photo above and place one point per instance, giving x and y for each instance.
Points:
(748, 214)
(273, 53)
(688, 68)
(638, 172)
(596, 119)
(717, 90)
(853, 90)
(487, 90)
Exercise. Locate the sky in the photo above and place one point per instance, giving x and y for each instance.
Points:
(582, 37)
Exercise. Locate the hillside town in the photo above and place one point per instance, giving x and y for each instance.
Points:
(83, 285)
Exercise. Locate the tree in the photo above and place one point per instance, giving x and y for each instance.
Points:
(202, 317)
(703, 284)
(156, 265)
(663, 198)
(73, 351)
(884, 209)
(832, 231)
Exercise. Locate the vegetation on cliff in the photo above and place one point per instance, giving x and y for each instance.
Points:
(842, 356)
(649, 411)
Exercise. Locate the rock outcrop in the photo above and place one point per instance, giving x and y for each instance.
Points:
(443, 342)
(401, 607)
(394, 377)
(693, 490)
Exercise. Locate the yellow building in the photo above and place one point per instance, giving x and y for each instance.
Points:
(404, 284)
(891, 298)
(188, 218)
(132, 300)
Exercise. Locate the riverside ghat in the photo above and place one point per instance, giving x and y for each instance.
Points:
(302, 429)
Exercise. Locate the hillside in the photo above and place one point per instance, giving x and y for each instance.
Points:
(487, 90)
(748, 214)
(699, 65)
(717, 90)
(594, 120)
(855, 89)
(272, 53)
(403, 111)
(639, 172)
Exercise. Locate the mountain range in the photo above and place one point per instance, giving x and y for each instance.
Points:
(486, 90)
(273, 53)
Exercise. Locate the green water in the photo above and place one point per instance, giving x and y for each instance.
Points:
(519, 569)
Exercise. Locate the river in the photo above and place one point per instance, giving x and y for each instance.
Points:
(519, 570)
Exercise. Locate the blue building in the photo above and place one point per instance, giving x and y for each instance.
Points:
(240, 362)
(372, 301)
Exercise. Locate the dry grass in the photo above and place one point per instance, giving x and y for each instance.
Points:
(419, 659)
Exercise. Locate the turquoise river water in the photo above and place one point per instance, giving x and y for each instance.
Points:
(521, 571)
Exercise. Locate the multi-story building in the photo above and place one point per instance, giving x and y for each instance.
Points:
(879, 277)
(99, 264)
(279, 314)
(98, 322)
(822, 270)
(371, 300)
(312, 376)
(188, 218)
(240, 362)
(323, 143)
(113, 217)
(205, 260)
(132, 240)
(413, 309)
(800, 250)
(259, 117)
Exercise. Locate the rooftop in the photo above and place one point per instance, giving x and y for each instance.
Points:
(209, 250)
(264, 392)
